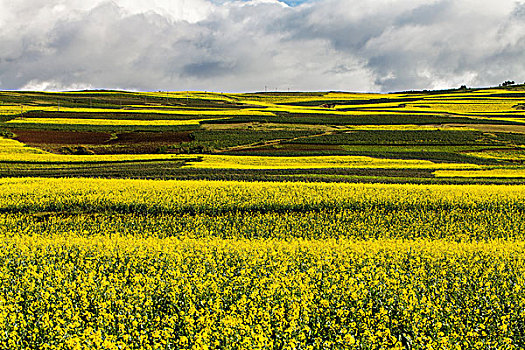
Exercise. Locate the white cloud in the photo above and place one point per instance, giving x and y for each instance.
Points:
(37, 85)
(246, 45)
(176, 10)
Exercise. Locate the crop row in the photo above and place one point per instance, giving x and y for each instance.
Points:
(456, 224)
(419, 137)
(143, 196)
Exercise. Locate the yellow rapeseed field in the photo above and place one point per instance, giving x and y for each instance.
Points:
(30, 194)
(317, 162)
(127, 293)
(498, 172)
(10, 147)
(91, 263)
(113, 122)
(12, 150)
(138, 264)
(16, 109)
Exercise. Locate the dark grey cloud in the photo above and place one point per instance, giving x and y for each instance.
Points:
(208, 69)
(246, 45)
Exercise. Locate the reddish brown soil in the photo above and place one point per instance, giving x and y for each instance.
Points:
(101, 143)
(48, 137)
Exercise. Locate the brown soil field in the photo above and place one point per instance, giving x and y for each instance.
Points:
(47, 137)
(98, 138)
(101, 143)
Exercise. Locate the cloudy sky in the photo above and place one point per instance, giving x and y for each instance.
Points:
(222, 45)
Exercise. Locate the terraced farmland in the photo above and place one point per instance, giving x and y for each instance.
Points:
(436, 130)
(189, 220)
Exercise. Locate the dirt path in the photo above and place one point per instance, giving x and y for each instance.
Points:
(272, 142)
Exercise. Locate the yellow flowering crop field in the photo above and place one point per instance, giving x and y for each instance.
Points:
(500, 173)
(141, 264)
(123, 293)
(312, 162)
(298, 221)
(9, 147)
(78, 121)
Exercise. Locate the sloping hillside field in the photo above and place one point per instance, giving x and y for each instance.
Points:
(186, 220)
(459, 136)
